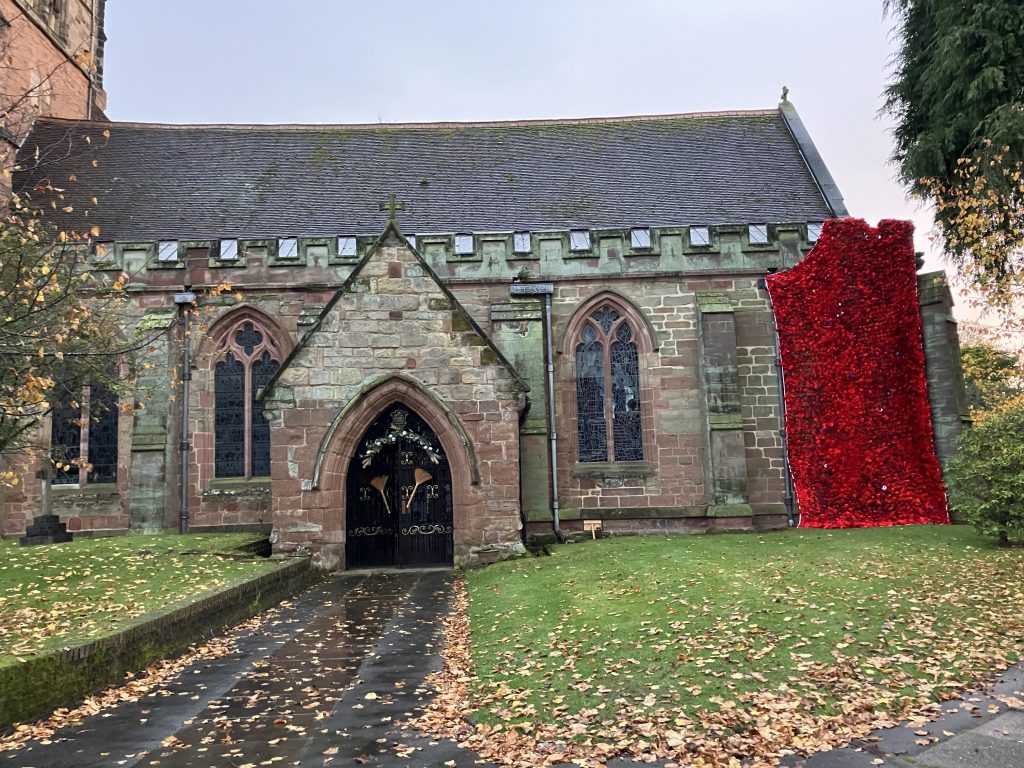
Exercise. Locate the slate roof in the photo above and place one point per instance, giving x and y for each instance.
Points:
(209, 181)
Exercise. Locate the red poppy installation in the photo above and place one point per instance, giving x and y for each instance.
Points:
(857, 414)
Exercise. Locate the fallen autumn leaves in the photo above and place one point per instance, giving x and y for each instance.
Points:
(132, 689)
(61, 595)
(831, 690)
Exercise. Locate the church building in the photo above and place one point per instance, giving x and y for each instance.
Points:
(443, 339)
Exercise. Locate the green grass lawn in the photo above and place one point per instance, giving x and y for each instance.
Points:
(689, 626)
(58, 595)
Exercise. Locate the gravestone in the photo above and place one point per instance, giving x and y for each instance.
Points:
(45, 528)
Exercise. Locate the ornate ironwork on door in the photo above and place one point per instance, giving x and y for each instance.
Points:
(399, 497)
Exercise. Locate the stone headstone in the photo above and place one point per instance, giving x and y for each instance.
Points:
(45, 529)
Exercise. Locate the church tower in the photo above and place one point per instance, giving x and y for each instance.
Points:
(52, 54)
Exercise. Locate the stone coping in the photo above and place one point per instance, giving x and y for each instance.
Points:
(61, 677)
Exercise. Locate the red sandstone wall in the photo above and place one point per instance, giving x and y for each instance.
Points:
(675, 422)
(42, 76)
(673, 416)
(398, 327)
(99, 508)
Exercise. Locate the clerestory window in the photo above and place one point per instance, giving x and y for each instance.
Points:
(608, 389)
(241, 433)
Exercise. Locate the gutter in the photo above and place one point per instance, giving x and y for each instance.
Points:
(788, 494)
(546, 290)
(93, 39)
(185, 301)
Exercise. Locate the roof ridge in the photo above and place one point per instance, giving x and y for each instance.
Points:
(441, 124)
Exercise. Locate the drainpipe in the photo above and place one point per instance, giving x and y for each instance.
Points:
(185, 301)
(788, 497)
(93, 39)
(546, 290)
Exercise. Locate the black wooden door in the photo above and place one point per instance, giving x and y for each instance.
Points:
(399, 496)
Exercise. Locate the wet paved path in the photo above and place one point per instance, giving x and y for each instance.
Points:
(293, 694)
(978, 730)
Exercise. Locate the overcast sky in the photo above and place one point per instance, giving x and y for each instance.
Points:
(341, 61)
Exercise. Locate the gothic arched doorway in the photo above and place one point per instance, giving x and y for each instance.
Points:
(399, 497)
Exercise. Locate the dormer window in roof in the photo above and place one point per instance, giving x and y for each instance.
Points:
(346, 247)
(758, 234)
(521, 242)
(288, 248)
(463, 245)
(813, 231)
(640, 238)
(700, 237)
(228, 250)
(579, 240)
(167, 251)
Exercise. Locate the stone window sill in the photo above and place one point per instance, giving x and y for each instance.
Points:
(613, 469)
(89, 489)
(238, 486)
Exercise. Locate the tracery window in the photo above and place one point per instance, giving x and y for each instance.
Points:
(53, 13)
(241, 433)
(83, 438)
(608, 389)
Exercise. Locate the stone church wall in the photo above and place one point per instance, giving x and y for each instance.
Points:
(670, 489)
(394, 336)
(94, 509)
(711, 416)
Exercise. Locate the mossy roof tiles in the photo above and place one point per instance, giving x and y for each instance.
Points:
(200, 182)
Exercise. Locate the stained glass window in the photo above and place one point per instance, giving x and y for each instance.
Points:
(248, 338)
(626, 397)
(102, 448)
(606, 317)
(241, 433)
(66, 443)
(608, 389)
(90, 452)
(229, 418)
(593, 437)
(262, 370)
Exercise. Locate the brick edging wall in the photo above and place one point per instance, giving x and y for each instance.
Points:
(60, 678)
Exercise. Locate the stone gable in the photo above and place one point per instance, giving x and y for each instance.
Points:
(393, 322)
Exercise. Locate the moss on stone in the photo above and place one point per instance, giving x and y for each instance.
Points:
(35, 685)
(358, 285)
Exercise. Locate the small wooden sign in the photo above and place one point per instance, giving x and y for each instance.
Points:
(593, 526)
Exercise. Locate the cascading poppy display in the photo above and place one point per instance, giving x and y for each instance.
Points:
(858, 419)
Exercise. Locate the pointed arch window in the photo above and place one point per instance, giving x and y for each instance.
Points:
(608, 389)
(241, 434)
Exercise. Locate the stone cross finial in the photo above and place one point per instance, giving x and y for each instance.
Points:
(392, 206)
(785, 93)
